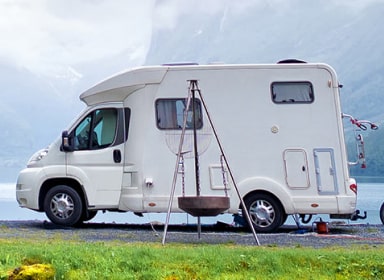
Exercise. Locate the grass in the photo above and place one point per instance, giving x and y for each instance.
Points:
(117, 260)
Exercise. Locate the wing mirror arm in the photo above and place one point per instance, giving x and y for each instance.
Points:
(66, 142)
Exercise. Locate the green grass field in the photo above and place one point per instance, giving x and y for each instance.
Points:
(116, 260)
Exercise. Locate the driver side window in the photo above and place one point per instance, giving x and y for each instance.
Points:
(97, 130)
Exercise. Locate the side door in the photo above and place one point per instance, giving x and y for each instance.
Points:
(97, 156)
(296, 168)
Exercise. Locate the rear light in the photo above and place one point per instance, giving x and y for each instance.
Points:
(353, 188)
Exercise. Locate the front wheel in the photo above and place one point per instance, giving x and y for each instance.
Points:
(382, 213)
(63, 205)
(265, 211)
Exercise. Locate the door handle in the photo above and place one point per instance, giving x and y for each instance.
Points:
(117, 156)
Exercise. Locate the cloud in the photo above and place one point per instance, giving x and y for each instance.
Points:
(168, 13)
(48, 36)
(52, 38)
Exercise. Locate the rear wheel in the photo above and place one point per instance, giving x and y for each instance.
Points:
(265, 211)
(382, 213)
(63, 205)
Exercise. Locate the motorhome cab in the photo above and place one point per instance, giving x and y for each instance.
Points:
(280, 126)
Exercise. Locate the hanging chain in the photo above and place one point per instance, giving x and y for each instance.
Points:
(224, 173)
(194, 88)
(182, 172)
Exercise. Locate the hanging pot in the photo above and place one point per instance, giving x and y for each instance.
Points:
(204, 206)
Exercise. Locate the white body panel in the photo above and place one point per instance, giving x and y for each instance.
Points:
(294, 151)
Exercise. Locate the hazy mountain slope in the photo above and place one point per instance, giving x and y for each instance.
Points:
(349, 39)
(31, 110)
(34, 109)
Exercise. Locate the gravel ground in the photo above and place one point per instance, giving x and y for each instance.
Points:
(339, 234)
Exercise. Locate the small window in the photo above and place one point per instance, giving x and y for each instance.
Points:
(292, 92)
(170, 114)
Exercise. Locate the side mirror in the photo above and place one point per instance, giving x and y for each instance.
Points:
(66, 142)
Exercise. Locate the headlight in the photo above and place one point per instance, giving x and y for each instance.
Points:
(38, 156)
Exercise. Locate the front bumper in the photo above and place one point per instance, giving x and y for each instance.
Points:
(28, 186)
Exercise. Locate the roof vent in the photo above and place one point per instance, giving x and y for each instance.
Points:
(290, 60)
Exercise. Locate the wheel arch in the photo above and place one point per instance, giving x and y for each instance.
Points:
(267, 186)
(48, 184)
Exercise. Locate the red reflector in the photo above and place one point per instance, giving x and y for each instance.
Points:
(353, 188)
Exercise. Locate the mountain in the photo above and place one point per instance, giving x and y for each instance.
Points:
(348, 38)
(35, 109)
(32, 112)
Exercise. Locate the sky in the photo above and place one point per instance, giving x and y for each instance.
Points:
(52, 37)
(45, 36)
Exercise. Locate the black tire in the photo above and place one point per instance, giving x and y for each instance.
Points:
(265, 211)
(382, 213)
(63, 206)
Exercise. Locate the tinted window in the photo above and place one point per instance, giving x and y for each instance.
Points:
(170, 114)
(292, 92)
(97, 130)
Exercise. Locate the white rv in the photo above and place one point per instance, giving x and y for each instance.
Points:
(279, 124)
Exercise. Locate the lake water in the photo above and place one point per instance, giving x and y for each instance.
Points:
(370, 198)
